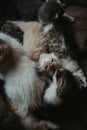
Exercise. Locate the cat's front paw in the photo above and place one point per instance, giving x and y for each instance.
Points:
(83, 81)
(50, 125)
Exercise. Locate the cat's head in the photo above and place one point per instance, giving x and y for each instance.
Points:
(50, 10)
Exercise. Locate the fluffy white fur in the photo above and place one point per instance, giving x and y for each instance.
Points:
(20, 82)
(23, 87)
(51, 96)
(48, 27)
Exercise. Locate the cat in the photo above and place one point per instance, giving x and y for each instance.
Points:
(55, 30)
(23, 88)
(24, 83)
(28, 82)
(52, 39)
(57, 75)
(44, 36)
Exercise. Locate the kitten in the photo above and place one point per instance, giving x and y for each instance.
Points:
(14, 61)
(67, 78)
(23, 87)
(56, 42)
(56, 37)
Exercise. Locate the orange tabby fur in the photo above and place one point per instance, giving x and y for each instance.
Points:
(34, 38)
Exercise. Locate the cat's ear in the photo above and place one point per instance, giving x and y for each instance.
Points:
(4, 49)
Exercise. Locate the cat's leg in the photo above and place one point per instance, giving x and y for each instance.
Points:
(71, 18)
(30, 122)
(81, 78)
(51, 95)
(71, 65)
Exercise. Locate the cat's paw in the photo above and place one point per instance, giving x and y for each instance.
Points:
(83, 81)
(50, 125)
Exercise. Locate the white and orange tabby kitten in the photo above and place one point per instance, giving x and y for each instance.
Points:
(23, 86)
(36, 42)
